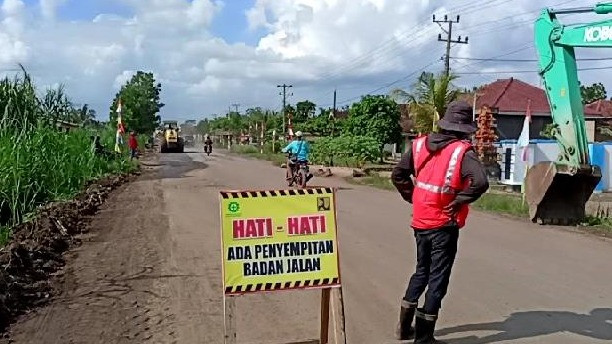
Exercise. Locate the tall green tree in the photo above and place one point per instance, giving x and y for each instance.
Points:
(203, 127)
(304, 110)
(376, 116)
(83, 116)
(140, 98)
(593, 93)
(428, 99)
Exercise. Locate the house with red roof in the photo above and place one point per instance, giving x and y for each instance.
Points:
(508, 99)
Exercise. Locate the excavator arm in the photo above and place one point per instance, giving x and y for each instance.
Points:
(557, 192)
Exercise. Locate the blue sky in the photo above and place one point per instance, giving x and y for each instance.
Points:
(230, 24)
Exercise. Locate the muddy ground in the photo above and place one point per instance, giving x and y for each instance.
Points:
(33, 259)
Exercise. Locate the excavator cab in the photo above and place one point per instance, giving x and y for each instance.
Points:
(557, 192)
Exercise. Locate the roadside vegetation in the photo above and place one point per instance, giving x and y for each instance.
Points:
(354, 136)
(39, 162)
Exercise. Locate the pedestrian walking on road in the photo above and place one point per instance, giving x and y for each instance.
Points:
(440, 174)
(133, 144)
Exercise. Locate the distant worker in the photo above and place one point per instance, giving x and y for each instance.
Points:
(133, 144)
(439, 175)
(300, 151)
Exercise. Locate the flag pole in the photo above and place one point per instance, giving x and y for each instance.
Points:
(525, 154)
(118, 134)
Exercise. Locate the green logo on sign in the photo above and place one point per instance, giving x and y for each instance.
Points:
(233, 207)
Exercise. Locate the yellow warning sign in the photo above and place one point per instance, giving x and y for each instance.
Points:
(277, 240)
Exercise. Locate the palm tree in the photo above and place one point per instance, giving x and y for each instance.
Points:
(428, 100)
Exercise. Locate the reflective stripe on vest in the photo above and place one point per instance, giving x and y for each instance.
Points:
(450, 170)
(437, 182)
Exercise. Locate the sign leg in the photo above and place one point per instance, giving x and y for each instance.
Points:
(325, 296)
(337, 302)
(229, 315)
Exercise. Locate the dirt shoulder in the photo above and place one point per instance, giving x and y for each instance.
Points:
(105, 290)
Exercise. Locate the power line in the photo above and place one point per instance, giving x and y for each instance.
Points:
(390, 84)
(523, 60)
(388, 44)
(526, 46)
(526, 71)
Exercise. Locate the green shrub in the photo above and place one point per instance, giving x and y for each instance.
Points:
(245, 149)
(276, 148)
(345, 150)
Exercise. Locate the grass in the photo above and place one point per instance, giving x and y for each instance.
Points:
(374, 180)
(502, 203)
(5, 235)
(276, 158)
(38, 163)
(599, 224)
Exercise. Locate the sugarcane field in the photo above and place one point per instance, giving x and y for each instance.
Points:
(305, 171)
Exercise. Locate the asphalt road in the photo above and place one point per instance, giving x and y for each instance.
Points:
(513, 282)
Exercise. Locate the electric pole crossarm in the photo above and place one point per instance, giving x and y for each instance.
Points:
(448, 40)
(284, 94)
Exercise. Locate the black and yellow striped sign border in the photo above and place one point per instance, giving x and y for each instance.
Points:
(260, 287)
(275, 193)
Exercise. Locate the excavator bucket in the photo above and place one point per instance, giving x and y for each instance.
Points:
(557, 195)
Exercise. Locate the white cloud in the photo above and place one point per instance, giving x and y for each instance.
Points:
(48, 8)
(123, 78)
(12, 7)
(316, 45)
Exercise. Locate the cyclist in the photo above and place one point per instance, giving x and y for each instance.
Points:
(299, 150)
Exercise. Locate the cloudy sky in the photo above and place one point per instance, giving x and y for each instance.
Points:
(209, 54)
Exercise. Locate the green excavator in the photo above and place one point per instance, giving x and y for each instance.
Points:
(557, 191)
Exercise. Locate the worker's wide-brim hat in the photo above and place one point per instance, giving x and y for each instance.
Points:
(459, 118)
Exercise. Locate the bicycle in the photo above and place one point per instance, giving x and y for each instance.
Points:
(299, 172)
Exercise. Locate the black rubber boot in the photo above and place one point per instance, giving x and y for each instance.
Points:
(424, 328)
(404, 329)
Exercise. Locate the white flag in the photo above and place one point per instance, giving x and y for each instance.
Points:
(523, 140)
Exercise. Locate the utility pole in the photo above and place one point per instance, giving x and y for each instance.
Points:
(333, 114)
(235, 105)
(334, 103)
(448, 39)
(284, 94)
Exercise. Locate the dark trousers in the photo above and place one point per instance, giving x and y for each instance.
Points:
(436, 250)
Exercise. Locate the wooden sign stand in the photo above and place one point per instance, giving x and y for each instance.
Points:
(331, 300)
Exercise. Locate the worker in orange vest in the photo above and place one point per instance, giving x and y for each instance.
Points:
(440, 174)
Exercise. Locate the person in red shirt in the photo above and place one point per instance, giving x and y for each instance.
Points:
(133, 144)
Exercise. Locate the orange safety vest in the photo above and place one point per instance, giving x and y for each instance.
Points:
(438, 180)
